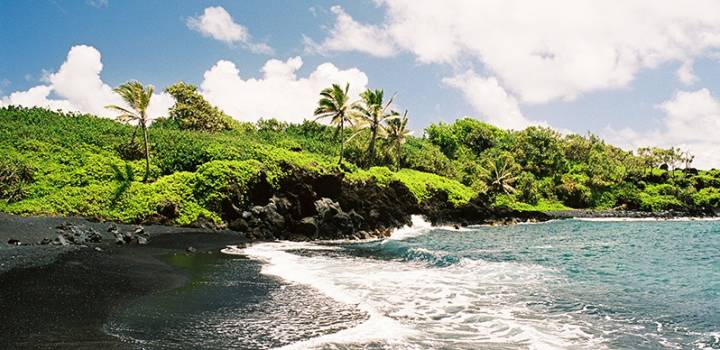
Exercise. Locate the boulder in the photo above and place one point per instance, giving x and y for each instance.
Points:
(326, 207)
(62, 241)
(308, 227)
(191, 250)
(273, 218)
(119, 238)
(239, 224)
(280, 204)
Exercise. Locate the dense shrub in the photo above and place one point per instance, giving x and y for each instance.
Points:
(14, 177)
(191, 111)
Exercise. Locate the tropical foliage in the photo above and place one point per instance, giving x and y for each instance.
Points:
(334, 104)
(72, 164)
(371, 112)
(191, 110)
(138, 98)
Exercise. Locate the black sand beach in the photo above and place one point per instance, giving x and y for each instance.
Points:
(60, 296)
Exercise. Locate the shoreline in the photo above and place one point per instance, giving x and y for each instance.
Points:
(626, 214)
(62, 296)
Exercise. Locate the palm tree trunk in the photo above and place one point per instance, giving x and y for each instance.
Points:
(397, 146)
(371, 147)
(147, 152)
(342, 142)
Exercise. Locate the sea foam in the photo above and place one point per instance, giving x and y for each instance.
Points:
(410, 305)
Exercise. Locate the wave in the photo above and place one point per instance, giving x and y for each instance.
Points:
(470, 304)
(418, 227)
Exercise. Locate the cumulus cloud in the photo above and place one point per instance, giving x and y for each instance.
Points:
(216, 23)
(691, 121)
(77, 86)
(349, 35)
(543, 50)
(279, 93)
(493, 103)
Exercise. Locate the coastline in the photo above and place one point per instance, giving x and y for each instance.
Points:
(627, 214)
(55, 295)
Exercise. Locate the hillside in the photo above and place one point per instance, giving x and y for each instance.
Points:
(67, 164)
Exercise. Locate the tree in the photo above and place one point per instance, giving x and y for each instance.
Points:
(476, 135)
(443, 136)
(138, 98)
(540, 151)
(334, 104)
(501, 171)
(650, 157)
(371, 111)
(397, 134)
(193, 111)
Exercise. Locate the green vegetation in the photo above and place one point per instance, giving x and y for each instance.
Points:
(70, 164)
(334, 104)
(370, 112)
(191, 110)
(539, 169)
(397, 134)
(138, 97)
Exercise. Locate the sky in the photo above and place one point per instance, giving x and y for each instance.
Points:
(636, 72)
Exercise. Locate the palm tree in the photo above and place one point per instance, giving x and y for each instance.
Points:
(371, 112)
(334, 104)
(138, 98)
(397, 133)
(501, 171)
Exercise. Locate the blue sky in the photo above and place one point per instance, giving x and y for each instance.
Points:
(619, 77)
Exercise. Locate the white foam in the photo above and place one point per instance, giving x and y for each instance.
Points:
(418, 227)
(473, 304)
(312, 272)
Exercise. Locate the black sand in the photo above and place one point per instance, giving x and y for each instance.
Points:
(59, 297)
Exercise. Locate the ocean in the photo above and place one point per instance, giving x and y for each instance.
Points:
(569, 284)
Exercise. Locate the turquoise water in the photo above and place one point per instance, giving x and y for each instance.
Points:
(647, 284)
(560, 285)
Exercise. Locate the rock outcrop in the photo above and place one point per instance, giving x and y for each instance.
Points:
(307, 206)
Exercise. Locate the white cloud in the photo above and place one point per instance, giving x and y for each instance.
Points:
(349, 35)
(691, 122)
(489, 99)
(217, 23)
(77, 86)
(279, 93)
(542, 50)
